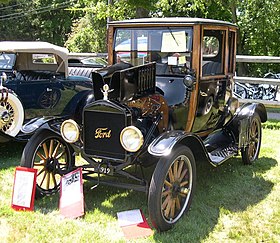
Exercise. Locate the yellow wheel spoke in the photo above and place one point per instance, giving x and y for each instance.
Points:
(172, 210)
(60, 155)
(56, 150)
(178, 204)
(175, 170)
(168, 208)
(165, 193)
(48, 181)
(45, 150)
(183, 174)
(184, 183)
(181, 164)
(171, 175)
(41, 171)
(167, 199)
(51, 148)
(43, 179)
(167, 183)
(42, 157)
(40, 163)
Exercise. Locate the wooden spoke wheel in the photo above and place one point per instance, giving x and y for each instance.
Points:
(171, 188)
(51, 156)
(251, 152)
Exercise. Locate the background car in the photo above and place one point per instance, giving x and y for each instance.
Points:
(36, 83)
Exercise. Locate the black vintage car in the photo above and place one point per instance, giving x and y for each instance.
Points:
(35, 82)
(165, 101)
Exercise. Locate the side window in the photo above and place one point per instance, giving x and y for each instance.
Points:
(213, 48)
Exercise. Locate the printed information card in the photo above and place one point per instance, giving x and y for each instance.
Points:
(24, 188)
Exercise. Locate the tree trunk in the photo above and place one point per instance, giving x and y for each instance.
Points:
(142, 12)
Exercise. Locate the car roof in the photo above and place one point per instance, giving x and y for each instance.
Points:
(171, 20)
(33, 47)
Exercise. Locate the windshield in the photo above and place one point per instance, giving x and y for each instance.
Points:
(7, 61)
(169, 47)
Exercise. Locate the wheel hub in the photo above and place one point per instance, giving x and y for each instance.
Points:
(175, 189)
(51, 164)
(6, 114)
(5, 117)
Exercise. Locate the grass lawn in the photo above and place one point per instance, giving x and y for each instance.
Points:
(232, 203)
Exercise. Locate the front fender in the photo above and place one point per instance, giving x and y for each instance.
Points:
(163, 144)
(33, 125)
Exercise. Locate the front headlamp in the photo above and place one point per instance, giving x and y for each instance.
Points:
(131, 139)
(70, 131)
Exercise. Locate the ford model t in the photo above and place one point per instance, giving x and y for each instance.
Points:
(165, 101)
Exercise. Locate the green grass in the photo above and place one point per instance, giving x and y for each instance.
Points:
(232, 203)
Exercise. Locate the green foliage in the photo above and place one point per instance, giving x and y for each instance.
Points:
(45, 20)
(82, 23)
(88, 36)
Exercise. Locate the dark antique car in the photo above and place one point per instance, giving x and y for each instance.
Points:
(165, 101)
(35, 83)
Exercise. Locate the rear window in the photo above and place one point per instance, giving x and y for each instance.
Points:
(44, 59)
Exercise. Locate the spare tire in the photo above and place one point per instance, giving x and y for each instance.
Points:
(11, 112)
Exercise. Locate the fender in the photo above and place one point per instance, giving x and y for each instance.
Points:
(241, 120)
(163, 144)
(248, 109)
(36, 123)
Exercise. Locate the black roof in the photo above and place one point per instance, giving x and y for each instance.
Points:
(171, 20)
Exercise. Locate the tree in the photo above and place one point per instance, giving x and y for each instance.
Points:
(44, 20)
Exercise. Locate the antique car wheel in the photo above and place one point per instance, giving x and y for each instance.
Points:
(51, 156)
(251, 152)
(11, 113)
(208, 105)
(171, 188)
(49, 99)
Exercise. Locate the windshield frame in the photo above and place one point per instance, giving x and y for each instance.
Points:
(7, 61)
(138, 46)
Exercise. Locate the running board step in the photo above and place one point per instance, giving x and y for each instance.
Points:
(218, 156)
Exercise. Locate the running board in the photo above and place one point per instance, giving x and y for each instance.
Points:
(219, 156)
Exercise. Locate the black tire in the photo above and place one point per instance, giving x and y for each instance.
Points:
(51, 156)
(251, 152)
(170, 194)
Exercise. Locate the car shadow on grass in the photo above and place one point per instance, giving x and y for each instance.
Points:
(10, 154)
(232, 187)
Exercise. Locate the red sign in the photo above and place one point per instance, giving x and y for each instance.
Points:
(71, 202)
(24, 188)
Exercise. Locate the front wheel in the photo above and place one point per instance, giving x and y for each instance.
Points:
(51, 156)
(171, 188)
(251, 152)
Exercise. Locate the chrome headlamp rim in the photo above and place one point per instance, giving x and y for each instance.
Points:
(140, 136)
(77, 129)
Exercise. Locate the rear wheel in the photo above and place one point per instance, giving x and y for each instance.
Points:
(51, 156)
(251, 152)
(171, 188)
